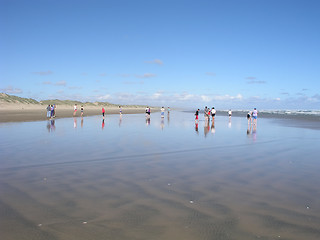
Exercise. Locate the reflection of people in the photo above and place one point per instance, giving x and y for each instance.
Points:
(75, 110)
(206, 127)
(103, 112)
(162, 123)
(82, 110)
(196, 127)
(162, 112)
(120, 120)
(229, 124)
(148, 121)
(75, 122)
(82, 122)
(102, 123)
(213, 129)
(51, 125)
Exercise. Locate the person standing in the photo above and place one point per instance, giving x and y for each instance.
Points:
(52, 111)
(162, 112)
(103, 112)
(75, 110)
(81, 110)
(254, 116)
(213, 112)
(120, 110)
(230, 113)
(48, 112)
(249, 117)
(197, 115)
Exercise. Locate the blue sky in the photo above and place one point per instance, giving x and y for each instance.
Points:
(235, 54)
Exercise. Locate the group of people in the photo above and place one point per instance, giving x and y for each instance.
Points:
(251, 115)
(75, 109)
(51, 111)
(207, 113)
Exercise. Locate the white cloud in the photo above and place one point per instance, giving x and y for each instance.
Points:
(104, 97)
(43, 73)
(11, 90)
(146, 75)
(157, 95)
(61, 83)
(155, 61)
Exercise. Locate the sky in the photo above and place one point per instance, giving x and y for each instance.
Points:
(227, 54)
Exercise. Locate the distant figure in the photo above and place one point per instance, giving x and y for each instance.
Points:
(120, 110)
(254, 115)
(75, 110)
(52, 111)
(197, 115)
(48, 111)
(103, 112)
(230, 113)
(82, 111)
(205, 111)
(162, 112)
(249, 117)
(148, 111)
(168, 110)
(213, 112)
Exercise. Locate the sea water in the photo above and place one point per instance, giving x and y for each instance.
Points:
(128, 177)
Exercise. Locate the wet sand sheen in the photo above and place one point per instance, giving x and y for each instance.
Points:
(213, 193)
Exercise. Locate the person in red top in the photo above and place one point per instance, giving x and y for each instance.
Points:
(103, 111)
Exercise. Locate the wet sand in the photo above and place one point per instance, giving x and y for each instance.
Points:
(159, 180)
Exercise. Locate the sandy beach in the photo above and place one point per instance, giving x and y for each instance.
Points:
(33, 112)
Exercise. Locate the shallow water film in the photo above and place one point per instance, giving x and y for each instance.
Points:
(128, 177)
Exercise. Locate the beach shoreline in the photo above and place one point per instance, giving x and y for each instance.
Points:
(30, 112)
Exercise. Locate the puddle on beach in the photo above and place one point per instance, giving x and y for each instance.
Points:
(167, 178)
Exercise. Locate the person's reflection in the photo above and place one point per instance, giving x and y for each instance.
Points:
(229, 124)
(148, 121)
(48, 126)
(102, 123)
(196, 127)
(254, 132)
(249, 129)
(82, 122)
(206, 127)
(168, 117)
(213, 129)
(162, 123)
(75, 122)
(51, 125)
(120, 119)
